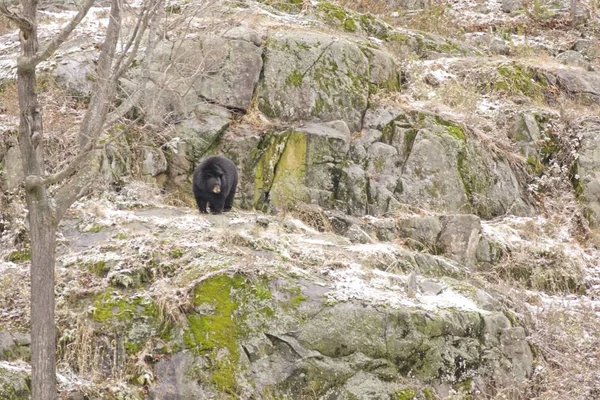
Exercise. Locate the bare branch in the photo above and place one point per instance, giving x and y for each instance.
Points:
(102, 91)
(120, 134)
(64, 34)
(76, 188)
(23, 23)
(135, 39)
(123, 109)
(70, 169)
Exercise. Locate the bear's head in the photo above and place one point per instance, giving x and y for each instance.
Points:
(213, 180)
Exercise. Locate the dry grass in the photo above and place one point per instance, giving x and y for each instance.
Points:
(437, 18)
(6, 26)
(376, 7)
(458, 95)
(568, 347)
(312, 215)
(14, 296)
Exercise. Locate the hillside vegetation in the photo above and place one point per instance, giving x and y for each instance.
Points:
(417, 215)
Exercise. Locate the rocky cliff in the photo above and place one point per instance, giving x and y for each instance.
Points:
(416, 217)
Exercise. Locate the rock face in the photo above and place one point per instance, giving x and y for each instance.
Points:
(313, 76)
(587, 166)
(580, 84)
(411, 158)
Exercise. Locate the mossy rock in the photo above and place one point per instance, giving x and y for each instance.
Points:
(131, 318)
(292, 165)
(14, 385)
(313, 76)
(516, 79)
(219, 323)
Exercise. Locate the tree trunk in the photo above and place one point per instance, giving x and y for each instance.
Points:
(42, 222)
(43, 331)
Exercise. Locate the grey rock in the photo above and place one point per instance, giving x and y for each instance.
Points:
(573, 58)
(526, 132)
(12, 165)
(233, 69)
(583, 46)
(430, 176)
(381, 116)
(352, 190)
(499, 46)
(422, 231)
(203, 131)
(153, 161)
(76, 71)
(178, 378)
(302, 165)
(14, 346)
(384, 72)
(587, 176)
(459, 238)
(584, 85)
(314, 76)
(14, 383)
(510, 6)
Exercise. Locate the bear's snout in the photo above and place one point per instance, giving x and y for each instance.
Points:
(217, 189)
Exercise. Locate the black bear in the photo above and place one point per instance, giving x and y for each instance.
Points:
(215, 181)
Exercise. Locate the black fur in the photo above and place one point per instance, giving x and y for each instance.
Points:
(211, 172)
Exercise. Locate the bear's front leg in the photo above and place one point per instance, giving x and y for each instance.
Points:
(202, 206)
(216, 205)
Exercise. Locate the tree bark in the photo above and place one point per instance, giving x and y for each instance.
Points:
(42, 222)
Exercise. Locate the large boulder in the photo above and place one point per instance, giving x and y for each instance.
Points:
(302, 165)
(220, 69)
(314, 76)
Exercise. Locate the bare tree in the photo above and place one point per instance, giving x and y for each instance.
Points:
(45, 209)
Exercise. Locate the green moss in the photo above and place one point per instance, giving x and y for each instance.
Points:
(297, 300)
(98, 268)
(319, 106)
(95, 228)
(120, 236)
(374, 27)
(176, 252)
(269, 152)
(549, 149)
(398, 37)
(409, 140)
(464, 388)
(404, 394)
(224, 304)
(516, 79)
(19, 256)
(338, 15)
(578, 187)
(294, 79)
(476, 179)
(108, 307)
(535, 164)
(288, 6)
(349, 25)
(429, 394)
(215, 333)
(453, 129)
(281, 169)
(332, 11)
(379, 164)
